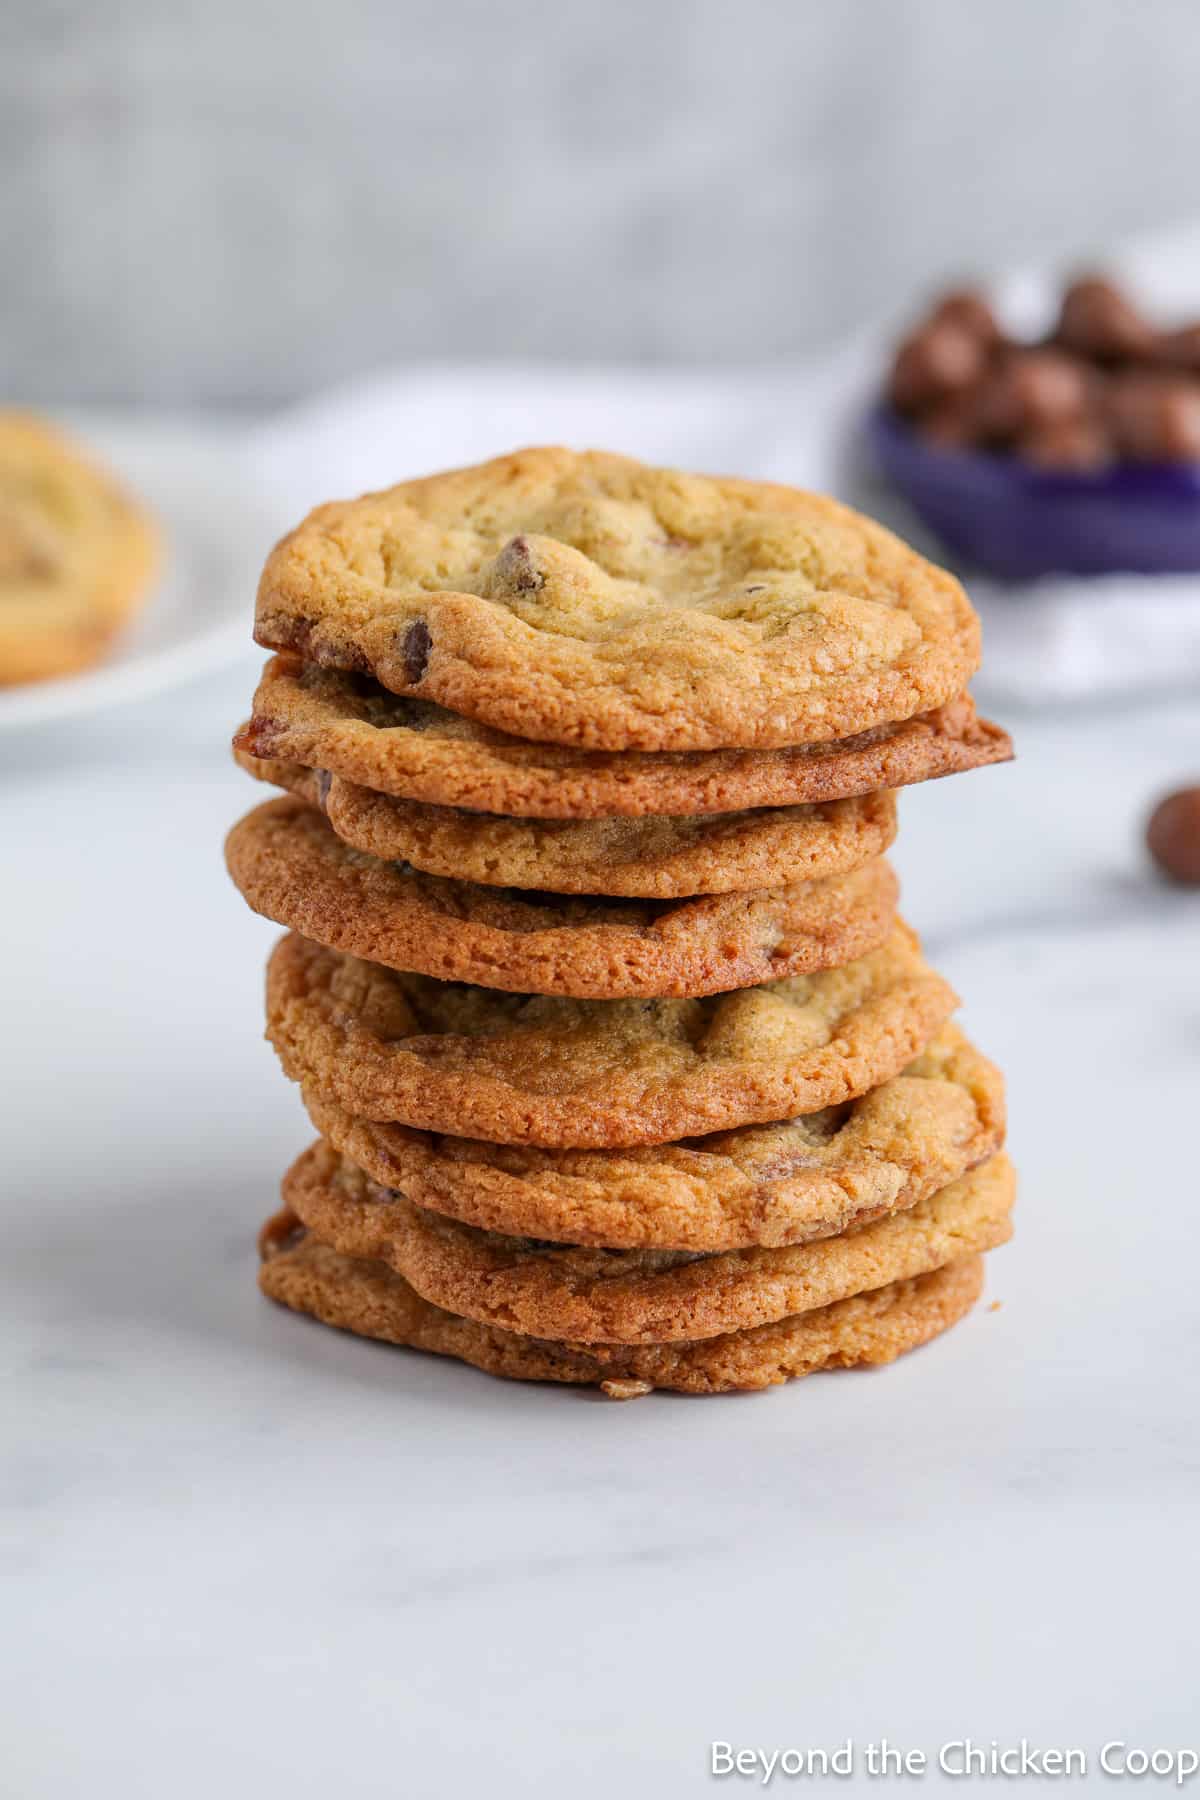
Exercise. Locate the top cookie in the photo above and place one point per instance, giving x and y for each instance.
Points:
(590, 600)
(76, 554)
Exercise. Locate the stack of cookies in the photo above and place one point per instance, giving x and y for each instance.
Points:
(624, 1068)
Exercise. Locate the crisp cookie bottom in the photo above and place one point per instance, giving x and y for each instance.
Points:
(588, 1295)
(367, 1298)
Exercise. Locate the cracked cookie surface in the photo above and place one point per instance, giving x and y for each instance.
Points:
(76, 554)
(290, 866)
(585, 1073)
(367, 1298)
(350, 726)
(590, 600)
(597, 1295)
(782, 1183)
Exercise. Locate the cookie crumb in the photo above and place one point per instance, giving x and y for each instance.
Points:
(995, 1306)
(621, 1389)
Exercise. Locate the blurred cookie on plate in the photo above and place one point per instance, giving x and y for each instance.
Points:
(77, 554)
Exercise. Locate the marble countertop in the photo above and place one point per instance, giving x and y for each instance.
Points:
(247, 1555)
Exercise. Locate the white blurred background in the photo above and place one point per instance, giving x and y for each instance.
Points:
(238, 202)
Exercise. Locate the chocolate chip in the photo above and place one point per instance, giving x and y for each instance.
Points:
(516, 568)
(1029, 390)
(1155, 417)
(1097, 320)
(324, 782)
(938, 360)
(1076, 444)
(383, 1196)
(967, 308)
(1181, 349)
(415, 650)
(305, 638)
(1173, 835)
(953, 423)
(281, 1234)
(30, 562)
(260, 737)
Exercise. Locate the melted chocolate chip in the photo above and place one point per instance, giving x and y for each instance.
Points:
(1098, 321)
(281, 1234)
(940, 359)
(300, 638)
(415, 650)
(259, 737)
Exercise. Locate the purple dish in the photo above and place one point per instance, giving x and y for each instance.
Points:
(1020, 522)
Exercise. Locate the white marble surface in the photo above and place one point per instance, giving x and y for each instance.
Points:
(246, 1555)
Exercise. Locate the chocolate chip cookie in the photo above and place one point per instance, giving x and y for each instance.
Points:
(77, 555)
(784, 1183)
(351, 727)
(566, 1074)
(290, 866)
(648, 858)
(593, 1295)
(369, 1299)
(592, 601)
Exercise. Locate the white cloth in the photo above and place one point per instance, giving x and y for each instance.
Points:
(1057, 640)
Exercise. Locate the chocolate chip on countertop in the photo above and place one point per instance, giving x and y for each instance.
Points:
(415, 650)
(1173, 835)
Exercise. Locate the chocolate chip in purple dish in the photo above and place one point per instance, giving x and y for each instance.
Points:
(1078, 454)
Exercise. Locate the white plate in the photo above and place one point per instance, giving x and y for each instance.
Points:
(217, 529)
